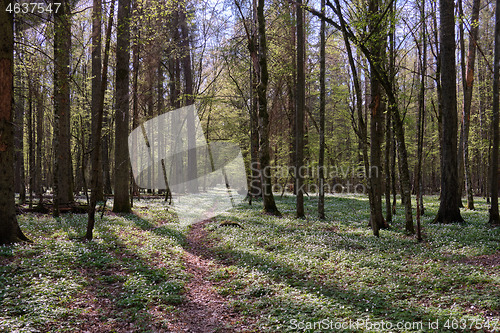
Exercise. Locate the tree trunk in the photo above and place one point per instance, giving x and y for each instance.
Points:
(421, 118)
(468, 87)
(62, 149)
(388, 129)
(135, 98)
(96, 181)
(20, 186)
(299, 113)
(39, 144)
(377, 109)
(449, 211)
(31, 145)
(264, 155)
(494, 216)
(9, 228)
(122, 163)
(461, 134)
(255, 181)
(189, 98)
(322, 104)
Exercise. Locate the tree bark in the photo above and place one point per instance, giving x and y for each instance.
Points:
(264, 155)
(122, 164)
(322, 104)
(96, 115)
(494, 216)
(299, 113)
(421, 119)
(62, 148)
(20, 185)
(377, 109)
(449, 211)
(39, 144)
(189, 99)
(9, 228)
(468, 87)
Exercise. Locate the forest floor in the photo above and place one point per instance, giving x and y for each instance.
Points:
(146, 272)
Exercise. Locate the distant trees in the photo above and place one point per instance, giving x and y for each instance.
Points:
(291, 99)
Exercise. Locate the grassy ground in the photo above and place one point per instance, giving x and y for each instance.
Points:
(124, 280)
(292, 275)
(295, 274)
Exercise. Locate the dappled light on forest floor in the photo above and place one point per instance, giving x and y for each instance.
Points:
(146, 272)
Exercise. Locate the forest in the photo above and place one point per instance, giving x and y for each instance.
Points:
(249, 166)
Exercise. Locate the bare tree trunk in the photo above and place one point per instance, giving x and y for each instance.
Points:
(449, 211)
(39, 144)
(135, 99)
(322, 104)
(31, 145)
(122, 163)
(299, 113)
(388, 128)
(20, 186)
(267, 190)
(189, 98)
(494, 216)
(9, 228)
(421, 118)
(96, 182)
(97, 117)
(468, 87)
(62, 168)
(461, 134)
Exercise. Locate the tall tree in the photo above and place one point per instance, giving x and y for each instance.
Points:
(388, 123)
(300, 112)
(20, 186)
(62, 136)
(420, 118)
(264, 154)
(449, 211)
(468, 87)
(122, 164)
(189, 98)
(494, 216)
(99, 116)
(376, 46)
(97, 183)
(9, 228)
(322, 105)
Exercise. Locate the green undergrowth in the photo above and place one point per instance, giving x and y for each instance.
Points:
(281, 274)
(294, 273)
(130, 271)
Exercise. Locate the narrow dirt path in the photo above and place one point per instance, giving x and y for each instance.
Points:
(204, 310)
